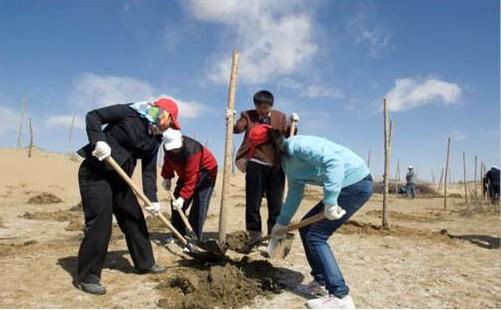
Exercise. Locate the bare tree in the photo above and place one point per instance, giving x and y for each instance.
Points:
(465, 185)
(387, 154)
(446, 170)
(21, 121)
(30, 148)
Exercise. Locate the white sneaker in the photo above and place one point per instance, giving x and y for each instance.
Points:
(331, 302)
(313, 288)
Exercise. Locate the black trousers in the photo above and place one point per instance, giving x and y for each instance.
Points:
(262, 180)
(104, 194)
(200, 201)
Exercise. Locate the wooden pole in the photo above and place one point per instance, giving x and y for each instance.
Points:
(386, 174)
(464, 180)
(71, 132)
(446, 171)
(475, 179)
(228, 147)
(440, 181)
(369, 160)
(23, 111)
(31, 139)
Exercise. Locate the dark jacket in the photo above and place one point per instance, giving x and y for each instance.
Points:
(193, 159)
(248, 120)
(128, 135)
(492, 177)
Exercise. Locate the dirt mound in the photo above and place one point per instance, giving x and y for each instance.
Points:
(238, 241)
(232, 285)
(44, 198)
(432, 216)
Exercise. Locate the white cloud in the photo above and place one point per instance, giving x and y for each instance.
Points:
(9, 120)
(274, 37)
(64, 121)
(92, 91)
(409, 93)
(312, 91)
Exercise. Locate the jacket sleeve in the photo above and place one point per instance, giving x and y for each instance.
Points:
(241, 124)
(191, 172)
(167, 169)
(149, 165)
(95, 119)
(332, 170)
(294, 196)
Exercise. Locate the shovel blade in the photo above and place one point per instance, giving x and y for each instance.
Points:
(284, 247)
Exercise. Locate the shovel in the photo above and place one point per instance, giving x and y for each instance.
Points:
(194, 250)
(285, 244)
(210, 245)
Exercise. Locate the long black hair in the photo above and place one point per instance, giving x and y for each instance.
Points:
(276, 140)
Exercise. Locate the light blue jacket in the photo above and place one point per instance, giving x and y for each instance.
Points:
(317, 161)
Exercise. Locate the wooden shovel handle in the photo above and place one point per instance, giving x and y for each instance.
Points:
(308, 221)
(292, 131)
(182, 215)
(143, 197)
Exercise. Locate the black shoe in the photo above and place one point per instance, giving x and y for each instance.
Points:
(153, 269)
(91, 288)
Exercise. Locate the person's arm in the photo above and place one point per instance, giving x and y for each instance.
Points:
(167, 169)
(241, 124)
(332, 170)
(294, 196)
(149, 165)
(95, 120)
(191, 175)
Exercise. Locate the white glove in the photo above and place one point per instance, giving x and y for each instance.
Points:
(154, 209)
(166, 184)
(275, 239)
(334, 212)
(294, 117)
(178, 203)
(102, 150)
(228, 113)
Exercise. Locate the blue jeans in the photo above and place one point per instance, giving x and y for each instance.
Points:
(324, 267)
(411, 190)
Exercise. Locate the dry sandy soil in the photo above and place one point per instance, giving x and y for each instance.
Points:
(430, 258)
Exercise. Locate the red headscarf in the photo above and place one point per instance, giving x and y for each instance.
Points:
(257, 136)
(170, 106)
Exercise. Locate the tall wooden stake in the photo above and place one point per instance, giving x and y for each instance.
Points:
(228, 147)
(31, 139)
(446, 171)
(440, 181)
(23, 111)
(464, 180)
(386, 175)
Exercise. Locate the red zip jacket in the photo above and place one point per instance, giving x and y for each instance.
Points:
(188, 163)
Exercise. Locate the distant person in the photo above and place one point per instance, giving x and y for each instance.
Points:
(196, 169)
(347, 186)
(492, 177)
(411, 179)
(264, 177)
(132, 132)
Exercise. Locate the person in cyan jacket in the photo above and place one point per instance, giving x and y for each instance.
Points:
(196, 168)
(347, 186)
(133, 131)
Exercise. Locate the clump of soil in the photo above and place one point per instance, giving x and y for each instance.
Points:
(239, 241)
(44, 198)
(11, 248)
(231, 285)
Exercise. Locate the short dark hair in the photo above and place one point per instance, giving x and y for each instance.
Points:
(263, 96)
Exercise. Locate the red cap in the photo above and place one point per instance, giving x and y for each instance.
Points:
(257, 136)
(170, 106)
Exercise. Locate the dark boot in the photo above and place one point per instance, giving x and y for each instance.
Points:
(91, 288)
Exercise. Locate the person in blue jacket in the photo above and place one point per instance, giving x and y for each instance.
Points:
(347, 186)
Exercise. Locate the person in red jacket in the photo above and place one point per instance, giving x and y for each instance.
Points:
(196, 168)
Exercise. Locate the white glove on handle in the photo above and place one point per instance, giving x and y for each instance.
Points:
(102, 150)
(275, 239)
(334, 212)
(154, 209)
(228, 113)
(294, 117)
(178, 203)
(166, 183)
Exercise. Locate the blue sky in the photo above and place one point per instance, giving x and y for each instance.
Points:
(332, 62)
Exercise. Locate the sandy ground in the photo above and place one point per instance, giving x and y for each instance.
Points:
(430, 258)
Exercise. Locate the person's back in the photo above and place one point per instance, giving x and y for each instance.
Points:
(411, 177)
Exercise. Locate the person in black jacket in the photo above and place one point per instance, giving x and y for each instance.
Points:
(492, 180)
(133, 132)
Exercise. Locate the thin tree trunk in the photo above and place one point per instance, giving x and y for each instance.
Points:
(387, 146)
(21, 121)
(446, 171)
(30, 149)
(464, 180)
(440, 181)
(71, 132)
(475, 178)
(228, 147)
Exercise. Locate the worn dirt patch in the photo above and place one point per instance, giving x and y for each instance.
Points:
(59, 216)
(431, 216)
(11, 248)
(44, 198)
(155, 224)
(231, 285)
